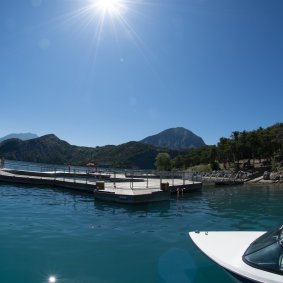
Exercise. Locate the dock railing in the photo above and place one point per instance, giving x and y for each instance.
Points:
(133, 179)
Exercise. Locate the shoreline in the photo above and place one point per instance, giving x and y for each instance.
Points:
(270, 182)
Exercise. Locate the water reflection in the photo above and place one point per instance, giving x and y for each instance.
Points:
(72, 234)
(141, 208)
(52, 279)
(185, 267)
(252, 206)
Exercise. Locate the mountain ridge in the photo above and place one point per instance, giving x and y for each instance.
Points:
(20, 136)
(50, 149)
(175, 138)
(133, 154)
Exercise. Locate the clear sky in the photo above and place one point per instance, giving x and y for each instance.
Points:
(97, 73)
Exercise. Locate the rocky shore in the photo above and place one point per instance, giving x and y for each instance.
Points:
(255, 177)
(271, 177)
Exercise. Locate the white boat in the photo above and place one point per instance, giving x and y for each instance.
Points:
(248, 256)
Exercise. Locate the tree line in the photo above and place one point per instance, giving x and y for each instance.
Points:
(265, 145)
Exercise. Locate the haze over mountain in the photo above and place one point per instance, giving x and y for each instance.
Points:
(20, 136)
(175, 138)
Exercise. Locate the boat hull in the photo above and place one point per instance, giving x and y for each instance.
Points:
(227, 248)
(240, 279)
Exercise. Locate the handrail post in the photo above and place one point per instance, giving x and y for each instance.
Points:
(147, 180)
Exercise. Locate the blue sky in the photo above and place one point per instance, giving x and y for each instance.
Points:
(211, 66)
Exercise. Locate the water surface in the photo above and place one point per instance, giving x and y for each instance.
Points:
(46, 232)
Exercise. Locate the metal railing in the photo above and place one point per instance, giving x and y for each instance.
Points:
(112, 177)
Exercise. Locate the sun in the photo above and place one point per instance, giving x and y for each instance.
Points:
(112, 7)
(52, 279)
(108, 19)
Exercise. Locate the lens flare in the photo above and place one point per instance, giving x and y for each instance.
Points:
(108, 18)
(112, 7)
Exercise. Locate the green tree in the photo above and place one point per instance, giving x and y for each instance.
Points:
(224, 151)
(163, 161)
(177, 162)
(214, 165)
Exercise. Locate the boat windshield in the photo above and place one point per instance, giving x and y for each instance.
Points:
(266, 252)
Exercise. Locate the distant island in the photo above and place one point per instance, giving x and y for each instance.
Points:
(242, 148)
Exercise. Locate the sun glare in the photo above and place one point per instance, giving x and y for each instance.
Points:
(112, 7)
(108, 19)
(52, 279)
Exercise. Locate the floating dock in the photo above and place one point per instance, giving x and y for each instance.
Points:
(60, 173)
(147, 191)
(108, 187)
(43, 179)
(132, 196)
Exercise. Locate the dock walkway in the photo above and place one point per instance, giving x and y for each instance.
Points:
(42, 179)
(115, 187)
(151, 185)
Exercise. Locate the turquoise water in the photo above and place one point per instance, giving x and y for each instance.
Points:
(46, 232)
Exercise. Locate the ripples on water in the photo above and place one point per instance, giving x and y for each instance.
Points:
(46, 232)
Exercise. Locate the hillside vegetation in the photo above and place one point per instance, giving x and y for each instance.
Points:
(261, 144)
(50, 149)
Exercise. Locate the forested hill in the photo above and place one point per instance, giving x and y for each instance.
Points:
(50, 149)
(261, 144)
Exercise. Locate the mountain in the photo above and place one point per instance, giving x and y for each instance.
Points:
(50, 149)
(21, 136)
(175, 138)
(47, 148)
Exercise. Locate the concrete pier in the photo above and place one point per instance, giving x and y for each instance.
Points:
(39, 180)
(60, 173)
(115, 187)
(133, 196)
(147, 191)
